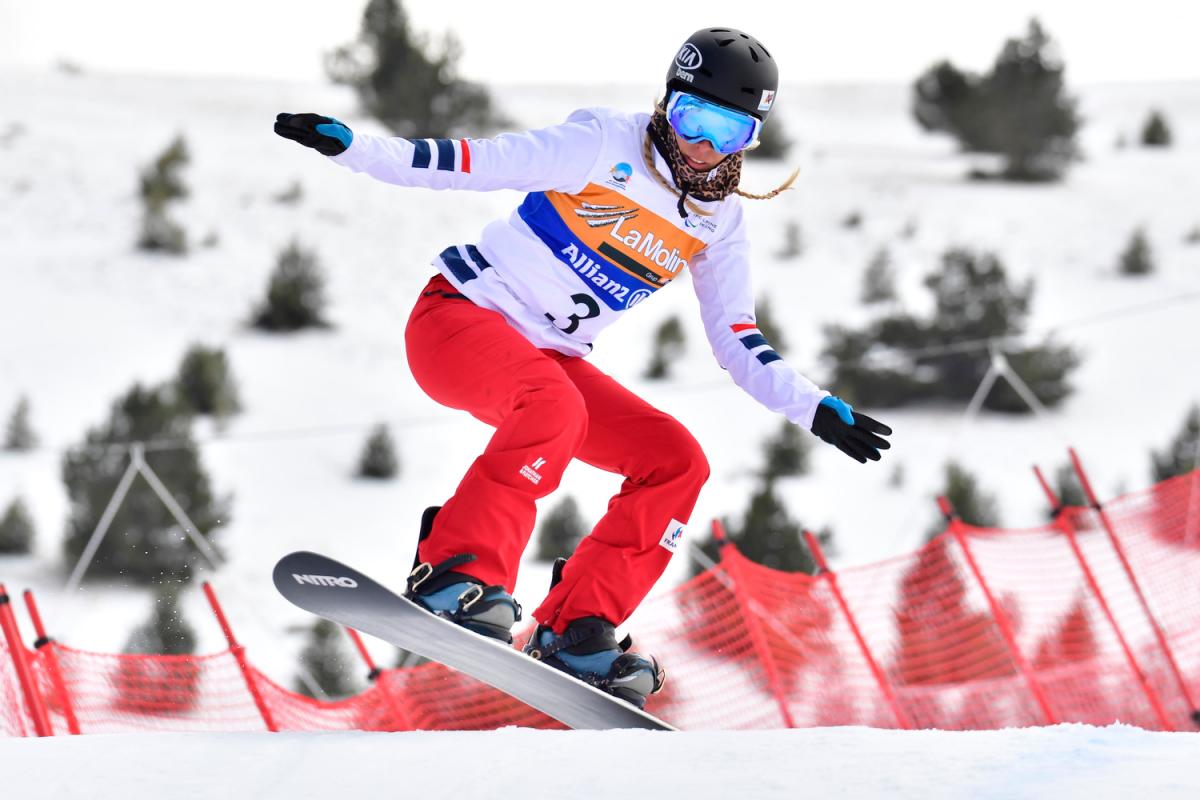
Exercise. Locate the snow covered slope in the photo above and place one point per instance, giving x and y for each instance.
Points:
(1066, 761)
(83, 314)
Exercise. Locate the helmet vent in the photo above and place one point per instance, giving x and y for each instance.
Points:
(749, 91)
(754, 55)
(724, 42)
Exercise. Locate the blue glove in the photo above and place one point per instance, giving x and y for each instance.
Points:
(326, 135)
(855, 434)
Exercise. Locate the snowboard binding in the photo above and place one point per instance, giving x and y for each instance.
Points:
(588, 650)
(439, 589)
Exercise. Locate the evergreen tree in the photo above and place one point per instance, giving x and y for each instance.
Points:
(327, 661)
(161, 185)
(1068, 488)
(16, 529)
(669, 344)
(970, 502)
(1183, 453)
(159, 685)
(561, 531)
(1193, 236)
(378, 459)
(853, 220)
(1071, 641)
(941, 638)
(879, 281)
(787, 453)
(1156, 132)
(1137, 259)
(18, 434)
(767, 535)
(406, 659)
(793, 241)
(768, 327)
(773, 143)
(144, 542)
(1019, 110)
(870, 370)
(899, 358)
(167, 632)
(290, 196)
(205, 384)
(295, 293)
(406, 83)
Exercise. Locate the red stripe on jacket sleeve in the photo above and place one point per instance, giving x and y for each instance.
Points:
(743, 326)
(466, 155)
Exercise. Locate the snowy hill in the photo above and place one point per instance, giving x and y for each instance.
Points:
(83, 315)
(1066, 761)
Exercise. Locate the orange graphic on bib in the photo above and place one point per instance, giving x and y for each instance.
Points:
(639, 242)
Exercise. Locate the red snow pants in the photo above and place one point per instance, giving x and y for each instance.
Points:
(548, 408)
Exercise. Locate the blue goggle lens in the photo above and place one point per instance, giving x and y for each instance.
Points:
(727, 130)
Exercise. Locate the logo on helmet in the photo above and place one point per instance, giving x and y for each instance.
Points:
(689, 56)
(768, 97)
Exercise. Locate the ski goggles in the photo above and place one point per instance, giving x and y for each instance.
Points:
(727, 130)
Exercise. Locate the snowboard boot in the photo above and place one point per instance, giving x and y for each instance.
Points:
(440, 589)
(588, 650)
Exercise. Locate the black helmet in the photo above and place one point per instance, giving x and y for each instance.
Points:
(728, 67)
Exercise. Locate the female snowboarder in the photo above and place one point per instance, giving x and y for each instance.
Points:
(617, 206)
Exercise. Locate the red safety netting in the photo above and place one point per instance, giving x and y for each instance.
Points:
(14, 716)
(1094, 617)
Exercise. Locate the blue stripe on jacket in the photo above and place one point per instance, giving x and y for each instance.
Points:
(754, 340)
(459, 268)
(420, 154)
(445, 154)
(477, 257)
(767, 356)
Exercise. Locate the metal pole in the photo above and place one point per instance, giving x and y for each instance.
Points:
(1019, 386)
(110, 511)
(1159, 635)
(56, 676)
(181, 517)
(885, 686)
(239, 653)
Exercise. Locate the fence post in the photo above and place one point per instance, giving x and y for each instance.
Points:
(1068, 530)
(1159, 635)
(56, 676)
(729, 563)
(955, 528)
(885, 686)
(33, 699)
(239, 653)
(374, 674)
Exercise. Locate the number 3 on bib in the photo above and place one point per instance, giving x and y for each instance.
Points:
(589, 305)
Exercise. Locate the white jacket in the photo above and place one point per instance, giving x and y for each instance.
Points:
(595, 236)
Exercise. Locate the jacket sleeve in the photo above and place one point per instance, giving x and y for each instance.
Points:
(559, 157)
(721, 279)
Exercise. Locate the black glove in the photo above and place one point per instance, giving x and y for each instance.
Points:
(326, 135)
(859, 441)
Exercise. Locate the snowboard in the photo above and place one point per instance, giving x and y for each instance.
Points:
(344, 595)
